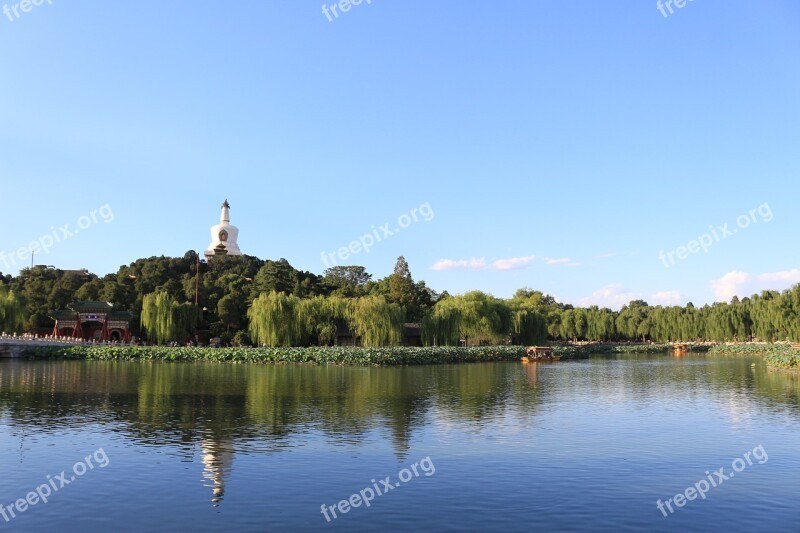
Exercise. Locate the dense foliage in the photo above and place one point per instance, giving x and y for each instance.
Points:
(279, 319)
(246, 300)
(785, 360)
(10, 311)
(320, 355)
(165, 320)
(777, 355)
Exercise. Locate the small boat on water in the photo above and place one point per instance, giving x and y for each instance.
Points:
(679, 349)
(539, 353)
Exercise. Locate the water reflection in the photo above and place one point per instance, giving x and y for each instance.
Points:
(224, 409)
(187, 403)
(228, 409)
(217, 458)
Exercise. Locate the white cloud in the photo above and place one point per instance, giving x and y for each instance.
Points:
(460, 264)
(744, 284)
(666, 298)
(513, 263)
(474, 263)
(566, 261)
(729, 285)
(780, 280)
(613, 296)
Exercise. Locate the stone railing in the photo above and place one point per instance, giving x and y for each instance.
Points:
(14, 345)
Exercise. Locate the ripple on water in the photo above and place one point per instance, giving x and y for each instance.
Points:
(568, 446)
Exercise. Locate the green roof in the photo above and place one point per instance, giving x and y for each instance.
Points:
(88, 307)
(91, 308)
(63, 314)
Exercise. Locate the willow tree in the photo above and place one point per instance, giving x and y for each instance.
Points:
(376, 322)
(442, 325)
(11, 313)
(319, 318)
(529, 327)
(554, 323)
(485, 318)
(599, 324)
(166, 320)
(474, 316)
(528, 310)
(793, 296)
(274, 320)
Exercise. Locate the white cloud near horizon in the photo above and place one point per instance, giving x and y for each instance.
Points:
(460, 264)
(513, 264)
(666, 298)
(612, 296)
(475, 263)
(566, 261)
(743, 284)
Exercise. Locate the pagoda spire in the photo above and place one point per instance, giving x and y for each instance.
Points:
(225, 217)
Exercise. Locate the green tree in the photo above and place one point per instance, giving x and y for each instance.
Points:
(274, 321)
(474, 316)
(402, 290)
(11, 311)
(166, 320)
(376, 322)
(228, 312)
(277, 276)
(346, 281)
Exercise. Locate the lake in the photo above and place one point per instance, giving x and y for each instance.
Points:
(572, 445)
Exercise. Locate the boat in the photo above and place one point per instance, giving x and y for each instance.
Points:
(679, 349)
(539, 353)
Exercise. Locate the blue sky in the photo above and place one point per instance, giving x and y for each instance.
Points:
(559, 145)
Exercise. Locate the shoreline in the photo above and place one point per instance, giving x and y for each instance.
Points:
(781, 356)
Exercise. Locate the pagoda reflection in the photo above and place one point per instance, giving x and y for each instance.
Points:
(217, 457)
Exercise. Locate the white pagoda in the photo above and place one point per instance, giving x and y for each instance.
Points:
(224, 236)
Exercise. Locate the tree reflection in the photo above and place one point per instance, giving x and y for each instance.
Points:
(224, 408)
(228, 408)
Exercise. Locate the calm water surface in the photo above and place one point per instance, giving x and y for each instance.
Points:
(573, 446)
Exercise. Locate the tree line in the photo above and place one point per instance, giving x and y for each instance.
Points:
(246, 300)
